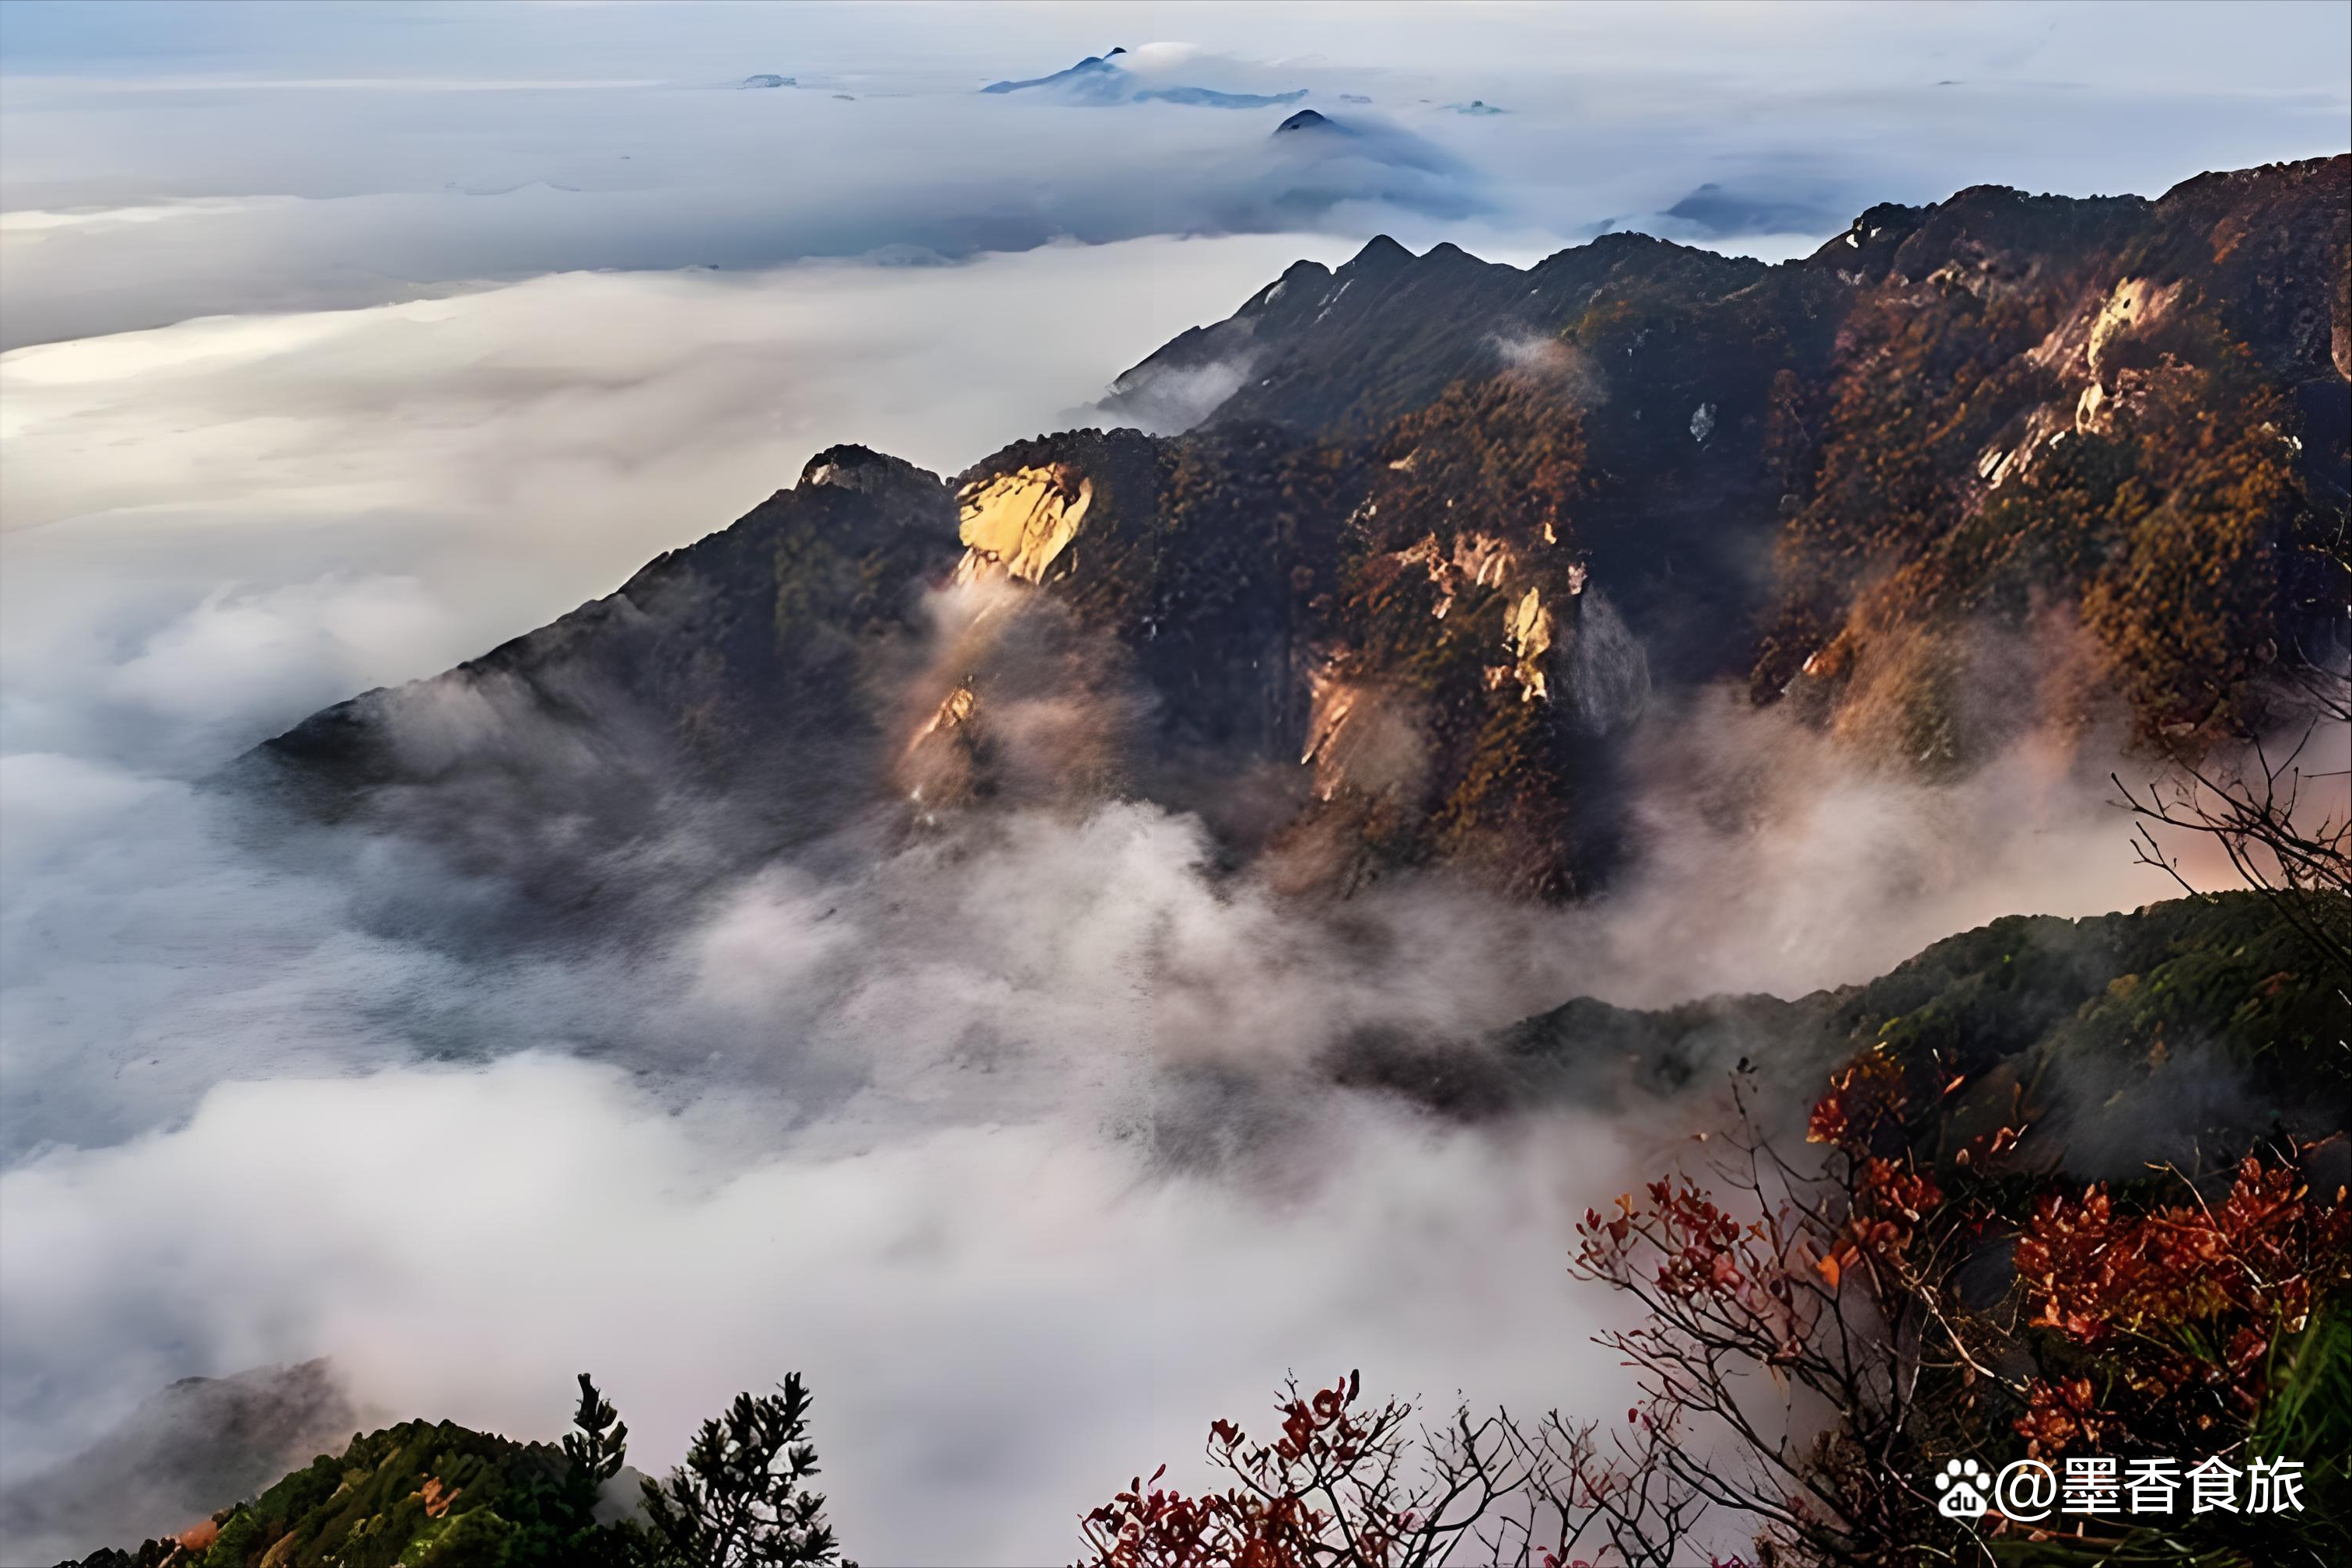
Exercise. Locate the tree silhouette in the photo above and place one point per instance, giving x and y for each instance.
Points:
(741, 1497)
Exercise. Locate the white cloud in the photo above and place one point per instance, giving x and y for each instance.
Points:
(378, 493)
(367, 208)
(1615, 116)
(250, 658)
(1003, 1320)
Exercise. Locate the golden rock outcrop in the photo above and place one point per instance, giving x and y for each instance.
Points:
(1020, 523)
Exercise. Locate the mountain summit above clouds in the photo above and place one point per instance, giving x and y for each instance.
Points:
(1417, 545)
(1094, 69)
(1106, 79)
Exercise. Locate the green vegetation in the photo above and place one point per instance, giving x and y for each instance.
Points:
(428, 1495)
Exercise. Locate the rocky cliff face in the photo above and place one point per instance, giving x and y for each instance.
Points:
(1447, 528)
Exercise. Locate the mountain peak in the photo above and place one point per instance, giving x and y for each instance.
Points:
(1101, 80)
(1410, 554)
(854, 467)
(1093, 66)
(1381, 254)
(1307, 120)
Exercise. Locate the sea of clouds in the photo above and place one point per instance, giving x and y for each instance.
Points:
(341, 351)
(164, 162)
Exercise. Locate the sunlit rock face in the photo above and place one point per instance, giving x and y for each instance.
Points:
(1530, 629)
(1019, 523)
(2136, 305)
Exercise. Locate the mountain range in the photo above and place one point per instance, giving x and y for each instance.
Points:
(1414, 543)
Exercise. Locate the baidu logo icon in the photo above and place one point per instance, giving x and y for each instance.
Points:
(2024, 1491)
(1963, 1483)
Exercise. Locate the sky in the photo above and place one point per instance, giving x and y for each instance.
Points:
(342, 342)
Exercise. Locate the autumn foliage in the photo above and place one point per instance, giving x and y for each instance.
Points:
(2176, 1315)
(1818, 1335)
(1325, 1490)
(1349, 1484)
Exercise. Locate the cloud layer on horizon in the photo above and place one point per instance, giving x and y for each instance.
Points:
(514, 183)
(457, 146)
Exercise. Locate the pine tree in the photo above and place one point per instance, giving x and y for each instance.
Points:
(740, 1498)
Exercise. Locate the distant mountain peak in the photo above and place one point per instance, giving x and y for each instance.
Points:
(1092, 65)
(1381, 254)
(1097, 80)
(185, 1450)
(1310, 120)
